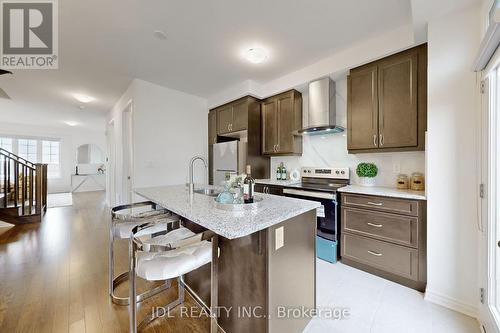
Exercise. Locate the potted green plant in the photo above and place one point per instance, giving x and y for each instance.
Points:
(367, 173)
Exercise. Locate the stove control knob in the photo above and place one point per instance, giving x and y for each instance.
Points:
(342, 172)
(337, 172)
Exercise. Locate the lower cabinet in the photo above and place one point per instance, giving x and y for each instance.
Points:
(386, 237)
(269, 189)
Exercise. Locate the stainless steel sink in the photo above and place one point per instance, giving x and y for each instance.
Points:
(208, 191)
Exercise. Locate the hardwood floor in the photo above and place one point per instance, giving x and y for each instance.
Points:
(53, 276)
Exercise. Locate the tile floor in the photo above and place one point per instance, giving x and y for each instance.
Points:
(380, 306)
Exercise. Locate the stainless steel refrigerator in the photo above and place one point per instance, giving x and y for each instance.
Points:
(229, 159)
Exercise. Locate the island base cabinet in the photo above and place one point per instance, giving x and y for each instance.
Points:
(261, 281)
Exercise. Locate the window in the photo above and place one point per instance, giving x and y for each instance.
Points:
(50, 156)
(6, 143)
(27, 149)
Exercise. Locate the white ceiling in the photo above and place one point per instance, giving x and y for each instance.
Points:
(105, 44)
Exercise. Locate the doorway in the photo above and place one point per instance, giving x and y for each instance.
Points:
(127, 154)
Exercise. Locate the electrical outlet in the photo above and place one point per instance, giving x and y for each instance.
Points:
(279, 238)
(396, 167)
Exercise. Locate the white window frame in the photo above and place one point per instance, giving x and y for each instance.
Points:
(39, 149)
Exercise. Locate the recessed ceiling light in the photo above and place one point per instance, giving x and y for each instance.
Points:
(71, 123)
(83, 98)
(160, 35)
(256, 55)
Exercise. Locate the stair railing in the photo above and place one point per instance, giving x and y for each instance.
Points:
(23, 184)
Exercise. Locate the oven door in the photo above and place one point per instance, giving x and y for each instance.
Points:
(327, 213)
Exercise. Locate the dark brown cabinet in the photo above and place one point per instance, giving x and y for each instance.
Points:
(282, 116)
(212, 127)
(269, 189)
(387, 103)
(232, 117)
(386, 237)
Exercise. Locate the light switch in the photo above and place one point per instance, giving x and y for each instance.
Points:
(279, 238)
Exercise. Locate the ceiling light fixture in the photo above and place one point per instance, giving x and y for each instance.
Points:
(83, 98)
(158, 34)
(71, 123)
(256, 55)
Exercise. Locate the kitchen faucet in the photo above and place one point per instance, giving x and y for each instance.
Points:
(191, 163)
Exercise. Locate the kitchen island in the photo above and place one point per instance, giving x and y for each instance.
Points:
(266, 267)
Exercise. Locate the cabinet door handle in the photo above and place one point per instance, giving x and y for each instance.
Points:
(381, 139)
(277, 148)
(375, 225)
(231, 127)
(376, 254)
(375, 203)
(375, 140)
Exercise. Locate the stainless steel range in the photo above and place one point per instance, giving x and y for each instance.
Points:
(321, 184)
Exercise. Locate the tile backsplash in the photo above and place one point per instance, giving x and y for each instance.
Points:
(331, 150)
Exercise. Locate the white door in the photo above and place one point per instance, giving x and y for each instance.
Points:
(489, 307)
(127, 154)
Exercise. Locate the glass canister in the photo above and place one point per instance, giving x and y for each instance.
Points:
(403, 183)
(417, 182)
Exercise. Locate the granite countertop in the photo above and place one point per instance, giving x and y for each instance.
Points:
(277, 182)
(384, 192)
(201, 209)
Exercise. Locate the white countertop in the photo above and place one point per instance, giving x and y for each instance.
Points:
(383, 192)
(277, 182)
(201, 209)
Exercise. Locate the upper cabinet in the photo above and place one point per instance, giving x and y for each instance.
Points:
(387, 103)
(281, 117)
(232, 117)
(212, 127)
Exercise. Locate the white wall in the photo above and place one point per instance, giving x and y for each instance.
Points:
(451, 185)
(169, 127)
(17, 118)
(331, 150)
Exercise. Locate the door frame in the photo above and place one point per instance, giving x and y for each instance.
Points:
(489, 159)
(111, 164)
(128, 109)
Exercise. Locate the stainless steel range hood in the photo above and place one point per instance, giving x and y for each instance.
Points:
(321, 113)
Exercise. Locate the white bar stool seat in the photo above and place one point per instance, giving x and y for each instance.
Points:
(175, 263)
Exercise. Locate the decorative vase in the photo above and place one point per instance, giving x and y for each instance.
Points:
(367, 181)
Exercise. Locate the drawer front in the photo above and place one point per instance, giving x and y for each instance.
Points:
(259, 188)
(392, 258)
(391, 205)
(398, 229)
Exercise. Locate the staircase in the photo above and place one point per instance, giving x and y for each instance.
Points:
(23, 189)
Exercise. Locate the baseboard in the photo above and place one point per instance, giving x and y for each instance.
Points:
(451, 303)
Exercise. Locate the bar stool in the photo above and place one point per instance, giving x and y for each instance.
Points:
(123, 219)
(152, 260)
